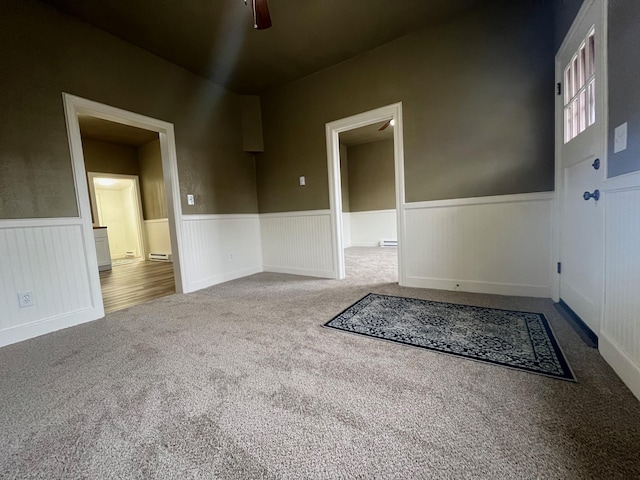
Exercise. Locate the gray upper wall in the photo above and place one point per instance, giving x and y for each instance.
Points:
(344, 178)
(478, 116)
(372, 176)
(106, 157)
(154, 197)
(624, 83)
(45, 53)
(144, 161)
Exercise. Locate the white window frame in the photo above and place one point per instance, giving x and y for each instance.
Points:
(579, 109)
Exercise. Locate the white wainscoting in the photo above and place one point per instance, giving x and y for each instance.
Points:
(158, 238)
(619, 339)
(346, 229)
(298, 243)
(46, 257)
(499, 244)
(219, 248)
(368, 228)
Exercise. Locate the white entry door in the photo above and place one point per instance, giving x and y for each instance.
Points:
(580, 165)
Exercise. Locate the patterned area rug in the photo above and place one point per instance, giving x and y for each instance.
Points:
(519, 340)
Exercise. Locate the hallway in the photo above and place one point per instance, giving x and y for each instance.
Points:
(136, 282)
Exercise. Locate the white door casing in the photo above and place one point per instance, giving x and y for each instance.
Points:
(333, 129)
(581, 221)
(73, 106)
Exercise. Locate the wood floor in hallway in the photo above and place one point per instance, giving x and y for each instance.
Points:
(137, 282)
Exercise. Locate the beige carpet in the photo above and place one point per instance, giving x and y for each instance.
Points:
(240, 381)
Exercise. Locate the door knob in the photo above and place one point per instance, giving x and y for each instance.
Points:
(595, 195)
(596, 164)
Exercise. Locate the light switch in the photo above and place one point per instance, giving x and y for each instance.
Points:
(302, 181)
(620, 138)
(191, 200)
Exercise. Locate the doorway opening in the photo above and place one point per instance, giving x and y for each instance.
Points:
(126, 181)
(126, 192)
(366, 188)
(116, 204)
(369, 216)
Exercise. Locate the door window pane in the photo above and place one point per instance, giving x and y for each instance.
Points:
(582, 114)
(583, 61)
(592, 102)
(592, 55)
(579, 92)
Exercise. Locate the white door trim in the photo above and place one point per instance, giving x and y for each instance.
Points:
(602, 93)
(73, 106)
(142, 243)
(333, 129)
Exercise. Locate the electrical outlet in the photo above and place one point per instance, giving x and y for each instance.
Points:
(25, 299)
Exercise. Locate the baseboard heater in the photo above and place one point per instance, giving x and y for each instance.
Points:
(388, 243)
(160, 257)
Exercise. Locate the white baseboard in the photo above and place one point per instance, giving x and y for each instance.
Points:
(299, 271)
(26, 331)
(365, 244)
(626, 369)
(540, 291)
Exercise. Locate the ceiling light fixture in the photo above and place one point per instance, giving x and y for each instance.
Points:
(388, 123)
(105, 182)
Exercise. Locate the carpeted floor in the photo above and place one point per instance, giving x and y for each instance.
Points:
(241, 381)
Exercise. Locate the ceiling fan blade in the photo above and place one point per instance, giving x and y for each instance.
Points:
(261, 16)
(386, 124)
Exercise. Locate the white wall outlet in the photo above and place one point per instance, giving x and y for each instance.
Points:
(303, 181)
(620, 138)
(191, 200)
(25, 299)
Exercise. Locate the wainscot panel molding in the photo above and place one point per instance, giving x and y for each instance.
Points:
(346, 229)
(453, 202)
(219, 248)
(500, 244)
(619, 339)
(158, 237)
(298, 243)
(48, 258)
(368, 228)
